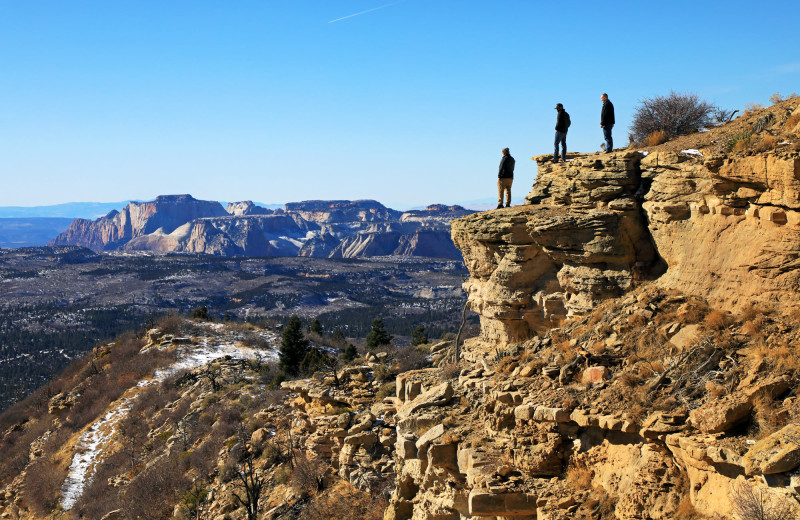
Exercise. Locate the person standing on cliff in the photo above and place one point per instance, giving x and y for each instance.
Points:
(505, 177)
(607, 121)
(562, 125)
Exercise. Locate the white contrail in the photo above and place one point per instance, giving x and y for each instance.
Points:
(363, 12)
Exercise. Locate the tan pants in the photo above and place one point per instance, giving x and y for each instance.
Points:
(504, 185)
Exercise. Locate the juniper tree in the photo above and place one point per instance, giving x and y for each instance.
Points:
(419, 336)
(315, 327)
(294, 346)
(377, 335)
(350, 353)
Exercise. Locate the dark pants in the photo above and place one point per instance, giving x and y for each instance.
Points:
(561, 137)
(608, 138)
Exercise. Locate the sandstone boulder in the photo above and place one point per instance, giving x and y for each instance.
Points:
(778, 453)
(436, 396)
(482, 503)
(594, 375)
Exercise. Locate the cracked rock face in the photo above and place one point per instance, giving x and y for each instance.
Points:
(580, 240)
(728, 228)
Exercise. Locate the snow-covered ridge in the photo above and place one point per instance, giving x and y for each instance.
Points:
(90, 447)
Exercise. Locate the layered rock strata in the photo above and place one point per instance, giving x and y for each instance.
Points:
(723, 227)
(727, 227)
(581, 239)
(332, 229)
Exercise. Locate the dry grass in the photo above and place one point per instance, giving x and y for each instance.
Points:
(686, 510)
(637, 320)
(506, 365)
(629, 380)
(752, 107)
(716, 320)
(768, 416)
(656, 138)
(792, 122)
(693, 311)
(579, 476)
(752, 328)
(780, 358)
(768, 142)
(597, 347)
(715, 389)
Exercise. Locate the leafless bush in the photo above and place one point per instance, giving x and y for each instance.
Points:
(43, 480)
(154, 492)
(170, 324)
(346, 501)
(751, 504)
(308, 476)
(250, 482)
(721, 115)
(410, 358)
(675, 114)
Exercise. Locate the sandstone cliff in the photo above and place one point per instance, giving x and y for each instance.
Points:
(334, 229)
(715, 224)
(165, 213)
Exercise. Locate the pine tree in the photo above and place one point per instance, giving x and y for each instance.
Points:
(419, 336)
(350, 353)
(377, 335)
(293, 346)
(315, 327)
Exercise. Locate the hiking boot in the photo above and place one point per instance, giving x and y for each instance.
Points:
(500, 206)
(508, 205)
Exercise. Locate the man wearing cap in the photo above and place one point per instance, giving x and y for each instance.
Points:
(562, 125)
(607, 121)
(505, 177)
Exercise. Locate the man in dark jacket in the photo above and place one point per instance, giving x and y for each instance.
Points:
(505, 177)
(562, 125)
(607, 121)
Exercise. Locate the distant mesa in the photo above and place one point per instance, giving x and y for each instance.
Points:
(315, 228)
(239, 209)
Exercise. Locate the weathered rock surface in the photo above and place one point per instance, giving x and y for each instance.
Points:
(727, 227)
(580, 240)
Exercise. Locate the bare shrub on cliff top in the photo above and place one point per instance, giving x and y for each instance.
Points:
(751, 504)
(675, 114)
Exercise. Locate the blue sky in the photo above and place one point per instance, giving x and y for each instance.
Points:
(409, 103)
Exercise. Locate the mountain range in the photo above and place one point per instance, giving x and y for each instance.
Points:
(317, 228)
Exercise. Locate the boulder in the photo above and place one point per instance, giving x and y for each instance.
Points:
(778, 453)
(259, 437)
(429, 436)
(545, 414)
(720, 415)
(436, 396)
(482, 503)
(594, 375)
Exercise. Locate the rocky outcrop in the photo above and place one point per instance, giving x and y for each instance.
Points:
(724, 227)
(580, 240)
(246, 207)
